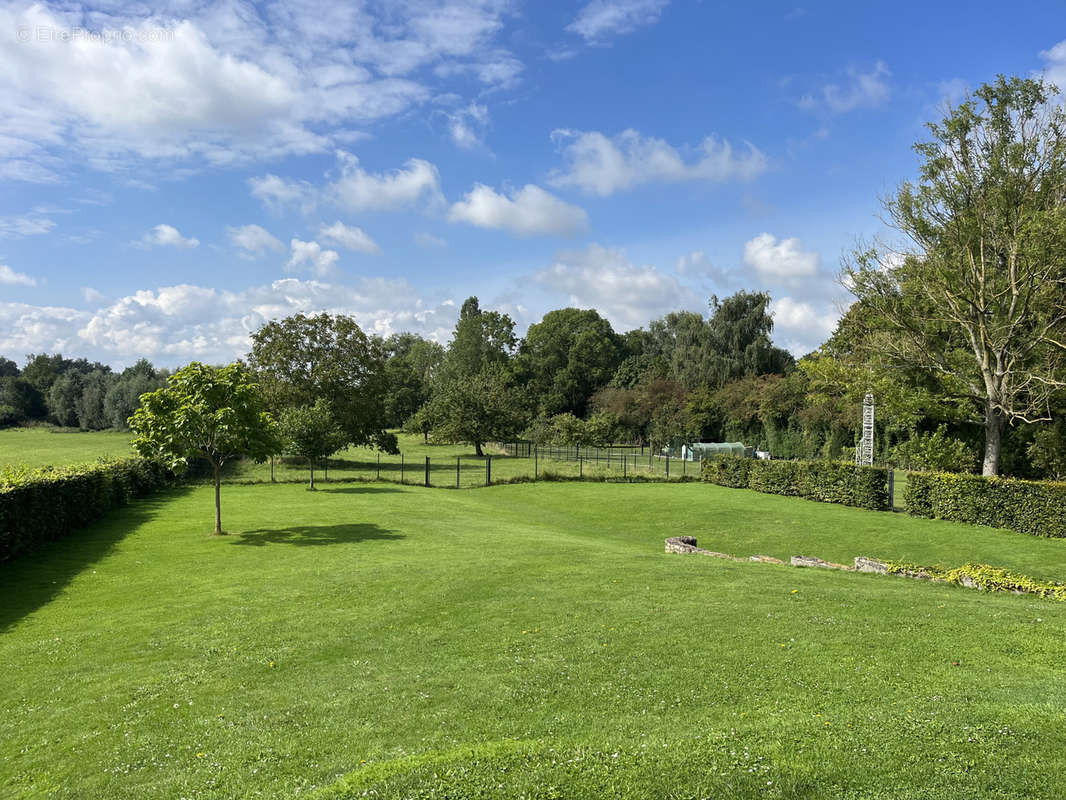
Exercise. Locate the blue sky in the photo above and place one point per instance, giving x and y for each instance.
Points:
(174, 177)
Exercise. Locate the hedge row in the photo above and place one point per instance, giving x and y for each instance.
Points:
(984, 577)
(1035, 507)
(824, 481)
(37, 506)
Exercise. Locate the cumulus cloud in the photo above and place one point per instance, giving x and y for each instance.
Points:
(275, 192)
(602, 165)
(784, 260)
(310, 255)
(601, 19)
(416, 183)
(8, 277)
(175, 324)
(254, 239)
(799, 326)
(859, 90)
(529, 211)
(167, 236)
(349, 236)
(605, 279)
(359, 190)
(1054, 70)
(225, 83)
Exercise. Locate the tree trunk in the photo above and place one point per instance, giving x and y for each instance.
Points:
(218, 499)
(994, 423)
(312, 484)
(477, 449)
(425, 437)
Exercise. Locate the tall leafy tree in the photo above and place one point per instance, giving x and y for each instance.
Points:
(311, 432)
(301, 359)
(411, 363)
(977, 303)
(566, 357)
(474, 396)
(217, 414)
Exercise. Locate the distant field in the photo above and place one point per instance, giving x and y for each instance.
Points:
(530, 641)
(42, 447)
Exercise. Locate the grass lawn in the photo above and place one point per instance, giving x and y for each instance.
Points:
(47, 446)
(525, 641)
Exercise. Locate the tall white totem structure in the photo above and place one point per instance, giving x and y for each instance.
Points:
(864, 453)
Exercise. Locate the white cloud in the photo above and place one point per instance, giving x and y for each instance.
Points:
(167, 236)
(348, 236)
(312, 256)
(602, 165)
(91, 295)
(860, 90)
(605, 279)
(600, 19)
(175, 324)
(9, 277)
(781, 261)
(359, 190)
(275, 192)
(1055, 65)
(255, 239)
(529, 211)
(225, 83)
(799, 326)
(466, 126)
(32, 224)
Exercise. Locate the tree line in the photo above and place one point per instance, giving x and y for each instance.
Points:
(958, 329)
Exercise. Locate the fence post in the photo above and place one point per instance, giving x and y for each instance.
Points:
(427, 470)
(272, 469)
(379, 468)
(625, 461)
(684, 466)
(536, 452)
(891, 489)
(667, 465)
(580, 468)
(401, 467)
(488, 470)
(457, 472)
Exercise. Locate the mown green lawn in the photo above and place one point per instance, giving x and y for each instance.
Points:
(47, 446)
(522, 641)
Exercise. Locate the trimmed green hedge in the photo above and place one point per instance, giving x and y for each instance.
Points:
(37, 506)
(1034, 507)
(824, 481)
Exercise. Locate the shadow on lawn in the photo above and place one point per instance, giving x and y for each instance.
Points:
(355, 489)
(307, 535)
(34, 579)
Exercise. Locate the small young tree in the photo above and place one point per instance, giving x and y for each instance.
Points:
(311, 432)
(212, 413)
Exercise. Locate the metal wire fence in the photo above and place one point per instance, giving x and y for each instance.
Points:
(468, 471)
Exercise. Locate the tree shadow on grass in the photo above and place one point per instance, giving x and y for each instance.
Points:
(310, 535)
(34, 579)
(354, 489)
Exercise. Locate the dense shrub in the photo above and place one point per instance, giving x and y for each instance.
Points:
(1036, 507)
(37, 506)
(824, 481)
(935, 451)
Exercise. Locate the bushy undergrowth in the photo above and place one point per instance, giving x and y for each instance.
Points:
(1034, 507)
(824, 481)
(39, 505)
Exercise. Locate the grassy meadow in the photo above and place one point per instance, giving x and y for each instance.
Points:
(526, 641)
(45, 446)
